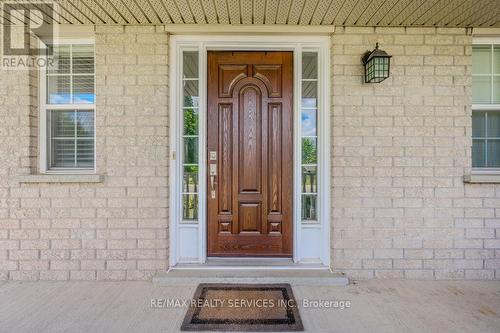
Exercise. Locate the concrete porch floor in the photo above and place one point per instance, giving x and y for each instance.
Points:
(376, 306)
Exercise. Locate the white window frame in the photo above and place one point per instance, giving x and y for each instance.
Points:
(311, 241)
(485, 107)
(44, 107)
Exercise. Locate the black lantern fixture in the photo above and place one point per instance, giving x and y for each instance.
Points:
(377, 64)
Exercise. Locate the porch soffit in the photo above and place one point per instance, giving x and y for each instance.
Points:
(442, 13)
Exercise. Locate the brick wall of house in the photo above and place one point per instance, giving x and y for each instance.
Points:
(400, 151)
(113, 230)
(15, 130)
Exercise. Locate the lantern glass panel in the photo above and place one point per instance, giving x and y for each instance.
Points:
(377, 69)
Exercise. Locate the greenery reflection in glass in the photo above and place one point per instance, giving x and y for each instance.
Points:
(309, 211)
(190, 183)
(309, 151)
(190, 206)
(191, 150)
(190, 121)
(190, 116)
(309, 179)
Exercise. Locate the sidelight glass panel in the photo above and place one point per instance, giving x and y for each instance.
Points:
(309, 207)
(309, 179)
(190, 140)
(309, 94)
(309, 133)
(190, 150)
(309, 122)
(309, 65)
(190, 180)
(190, 207)
(309, 151)
(190, 64)
(190, 121)
(191, 98)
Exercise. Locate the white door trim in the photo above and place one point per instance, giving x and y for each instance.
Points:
(188, 241)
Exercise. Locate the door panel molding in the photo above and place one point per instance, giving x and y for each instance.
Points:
(250, 136)
(275, 164)
(225, 160)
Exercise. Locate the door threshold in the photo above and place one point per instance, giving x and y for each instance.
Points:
(251, 264)
(250, 260)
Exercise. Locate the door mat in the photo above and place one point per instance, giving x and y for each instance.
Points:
(243, 307)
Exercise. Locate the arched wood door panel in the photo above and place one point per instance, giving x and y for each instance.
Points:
(250, 130)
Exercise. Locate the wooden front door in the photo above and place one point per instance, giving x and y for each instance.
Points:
(250, 154)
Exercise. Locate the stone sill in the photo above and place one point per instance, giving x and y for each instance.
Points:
(482, 178)
(61, 178)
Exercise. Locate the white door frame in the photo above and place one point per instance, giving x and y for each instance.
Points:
(188, 241)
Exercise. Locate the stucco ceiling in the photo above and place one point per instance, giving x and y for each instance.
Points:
(450, 13)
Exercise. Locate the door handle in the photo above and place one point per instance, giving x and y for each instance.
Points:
(212, 183)
(213, 173)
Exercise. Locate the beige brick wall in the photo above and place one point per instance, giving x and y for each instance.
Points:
(400, 151)
(113, 230)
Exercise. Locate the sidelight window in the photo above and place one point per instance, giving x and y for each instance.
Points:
(486, 106)
(309, 137)
(190, 136)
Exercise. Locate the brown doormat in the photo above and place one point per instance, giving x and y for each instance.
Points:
(243, 307)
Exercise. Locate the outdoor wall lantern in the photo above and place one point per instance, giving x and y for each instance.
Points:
(377, 64)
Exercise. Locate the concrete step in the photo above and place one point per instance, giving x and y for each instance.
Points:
(308, 277)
